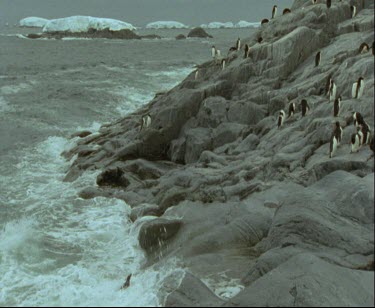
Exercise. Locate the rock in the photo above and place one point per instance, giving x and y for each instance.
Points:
(34, 36)
(191, 292)
(112, 177)
(308, 281)
(81, 134)
(181, 37)
(155, 233)
(199, 32)
(124, 34)
(145, 210)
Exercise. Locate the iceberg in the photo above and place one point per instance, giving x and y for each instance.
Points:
(36, 22)
(166, 25)
(218, 25)
(246, 24)
(76, 24)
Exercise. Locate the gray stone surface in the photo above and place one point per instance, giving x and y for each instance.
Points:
(237, 195)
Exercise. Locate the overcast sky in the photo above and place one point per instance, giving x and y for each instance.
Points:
(141, 12)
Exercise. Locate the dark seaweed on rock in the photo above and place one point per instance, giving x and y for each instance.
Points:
(235, 195)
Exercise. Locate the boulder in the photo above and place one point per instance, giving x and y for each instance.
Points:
(181, 37)
(199, 32)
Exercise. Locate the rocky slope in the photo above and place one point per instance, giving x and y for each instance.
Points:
(238, 198)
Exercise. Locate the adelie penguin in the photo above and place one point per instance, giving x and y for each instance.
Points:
(213, 52)
(329, 4)
(314, 1)
(337, 106)
(329, 84)
(358, 119)
(360, 134)
(333, 145)
(247, 51)
(338, 131)
(146, 121)
(364, 48)
(274, 11)
(358, 87)
(366, 133)
(318, 58)
(281, 119)
(223, 63)
(355, 143)
(305, 107)
(260, 40)
(332, 91)
(286, 11)
(292, 110)
(196, 75)
(264, 21)
(353, 11)
(238, 44)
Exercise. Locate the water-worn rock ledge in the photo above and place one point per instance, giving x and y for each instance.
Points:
(236, 195)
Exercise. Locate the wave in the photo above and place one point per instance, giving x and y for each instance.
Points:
(166, 25)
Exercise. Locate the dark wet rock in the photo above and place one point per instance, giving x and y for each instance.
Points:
(199, 32)
(81, 134)
(112, 177)
(34, 36)
(155, 233)
(181, 37)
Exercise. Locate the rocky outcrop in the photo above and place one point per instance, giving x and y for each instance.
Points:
(199, 32)
(180, 37)
(230, 192)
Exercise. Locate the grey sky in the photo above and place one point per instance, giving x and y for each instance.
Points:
(140, 12)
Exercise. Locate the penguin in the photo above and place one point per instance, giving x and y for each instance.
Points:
(264, 21)
(218, 53)
(337, 106)
(328, 84)
(196, 74)
(366, 132)
(314, 1)
(260, 40)
(333, 91)
(305, 107)
(353, 10)
(360, 134)
(318, 57)
(247, 51)
(238, 44)
(274, 11)
(292, 109)
(358, 119)
(281, 119)
(338, 131)
(329, 4)
(223, 62)
(232, 49)
(355, 143)
(127, 282)
(146, 121)
(213, 52)
(333, 145)
(364, 48)
(358, 87)
(286, 11)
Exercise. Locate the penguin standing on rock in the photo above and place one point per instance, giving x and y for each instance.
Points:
(338, 131)
(366, 132)
(329, 4)
(318, 57)
(274, 11)
(292, 109)
(247, 51)
(358, 119)
(337, 106)
(238, 44)
(305, 107)
(353, 10)
(314, 1)
(281, 119)
(264, 21)
(333, 91)
(358, 87)
(329, 84)
(213, 52)
(146, 121)
(355, 143)
(364, 48)
(223, 63)
(360, 134)
(286, 11)
(333, 145)
(196, 75)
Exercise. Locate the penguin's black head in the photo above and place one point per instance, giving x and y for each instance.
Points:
(337, 124)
